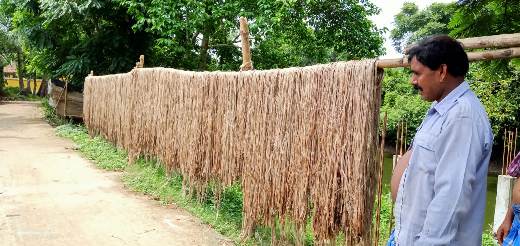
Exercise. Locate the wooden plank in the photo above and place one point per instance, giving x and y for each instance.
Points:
(73, 107)
(495, 41)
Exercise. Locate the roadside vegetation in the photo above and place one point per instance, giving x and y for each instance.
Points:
(147, 176)
(13, 94)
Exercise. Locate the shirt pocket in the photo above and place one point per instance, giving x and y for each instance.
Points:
(423, 156)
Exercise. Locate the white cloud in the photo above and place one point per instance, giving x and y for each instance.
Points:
(386, 18)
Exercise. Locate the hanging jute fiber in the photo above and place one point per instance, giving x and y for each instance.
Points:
(302, 141)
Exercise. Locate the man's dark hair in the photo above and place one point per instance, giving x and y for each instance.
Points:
(441, 49)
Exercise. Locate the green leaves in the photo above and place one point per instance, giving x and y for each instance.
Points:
(284, 33)
(401, 102)
(68, 39)
(496, 83)
(412, 24)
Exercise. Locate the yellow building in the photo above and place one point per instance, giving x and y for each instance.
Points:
(12, 79)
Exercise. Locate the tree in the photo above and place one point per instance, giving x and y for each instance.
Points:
(203, 34)
(10, 44)
(401, 102)
(75, 37)
(412, 24)
(67, 39)
(5, 51)
(496, 83)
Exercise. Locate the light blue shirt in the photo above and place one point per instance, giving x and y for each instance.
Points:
(442, 193)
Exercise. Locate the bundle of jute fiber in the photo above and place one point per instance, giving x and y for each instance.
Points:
(302, 141)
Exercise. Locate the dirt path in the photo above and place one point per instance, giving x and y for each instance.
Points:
(50, 195)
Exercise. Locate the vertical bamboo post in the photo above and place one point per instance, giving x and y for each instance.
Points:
(402, 138)
(247, 64)
(510, 148)
(394, 162)
(405, 135)
(141, 61)
(398, 133)
(516, 138)
(504, 153)
(380, 181)
(66, 94)
(508, 154)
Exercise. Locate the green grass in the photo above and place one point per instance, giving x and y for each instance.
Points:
(13, 94)
(49, 114)
(149, 177)
(101, 152)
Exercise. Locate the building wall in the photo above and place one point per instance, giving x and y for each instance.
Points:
(13, 82)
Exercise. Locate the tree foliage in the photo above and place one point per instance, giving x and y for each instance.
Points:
(67, 39)
(400, 101)
(496, 83)
(204, 34)
(412, 24)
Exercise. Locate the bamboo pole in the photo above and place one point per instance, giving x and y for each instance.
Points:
(140, 63)
(508, 140)
(398, 132)
(472, 56)
(66, 96)
(402, 138)
(494, 54)
(247, 64)
(504, 152)
(516, 138)
(380, 181)
(495, 41)
(510, 159)
(405, 135)
(397, 139)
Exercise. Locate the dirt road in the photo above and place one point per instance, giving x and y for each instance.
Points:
(50, 195)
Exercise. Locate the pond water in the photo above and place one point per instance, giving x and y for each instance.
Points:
(490, 198)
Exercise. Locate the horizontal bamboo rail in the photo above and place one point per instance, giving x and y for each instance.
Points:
(509, 41)
(472, 56)
(495, 41)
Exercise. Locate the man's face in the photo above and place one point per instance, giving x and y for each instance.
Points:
(426, 81)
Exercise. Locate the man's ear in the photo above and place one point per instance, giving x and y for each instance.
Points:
(443, 72)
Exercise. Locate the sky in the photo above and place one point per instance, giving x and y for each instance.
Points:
(390, 8)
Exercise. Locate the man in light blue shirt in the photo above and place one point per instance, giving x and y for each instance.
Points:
(441, 181)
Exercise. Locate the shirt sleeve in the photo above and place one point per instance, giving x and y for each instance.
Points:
(458, 151)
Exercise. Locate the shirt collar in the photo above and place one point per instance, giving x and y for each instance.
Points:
(447, 102)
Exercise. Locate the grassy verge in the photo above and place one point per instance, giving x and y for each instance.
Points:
(49, 113)
(13, 94)
(149, 177)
